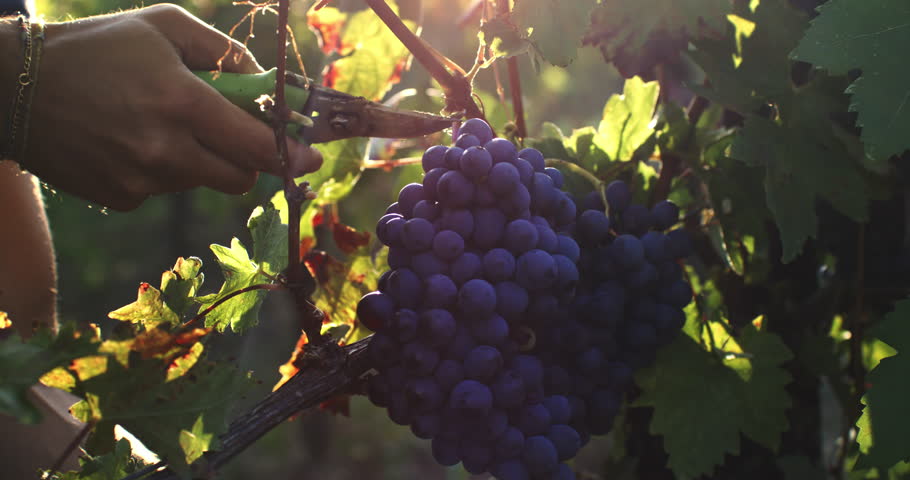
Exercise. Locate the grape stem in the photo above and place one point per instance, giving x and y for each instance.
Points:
(518, 108)
(202, 314)
(456, 87)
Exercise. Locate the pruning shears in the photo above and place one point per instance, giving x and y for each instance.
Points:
(323, 114)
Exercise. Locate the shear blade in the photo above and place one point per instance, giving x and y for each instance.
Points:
(337, 115)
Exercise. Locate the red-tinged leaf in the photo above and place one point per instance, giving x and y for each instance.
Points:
(306, 244)
(327, 23)
(149, 309)
(339, 405)
(289, 368)
(318, 219)
(319, 264)
(400, 67)
(347, 239)
(330, 76)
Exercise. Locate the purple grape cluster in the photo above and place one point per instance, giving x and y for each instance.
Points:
(479, 260)
(628, 302)
(512, 317)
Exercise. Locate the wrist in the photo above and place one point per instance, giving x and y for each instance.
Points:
(10, 66)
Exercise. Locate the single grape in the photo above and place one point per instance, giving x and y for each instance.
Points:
(525, 170)
(501, 150)
(409, 195)
(534, 420)
(424, 395)
(466, 267)
(618, 196)
(556, 175)
(628, 251)
(482, 363)
(405, 287)
(471, 397)
(426, 426)
(511, 299)
(536, 270)
(504, 178)
(426, 209)
(459, 221)
(508, 389)
(404, 325)
(592, 228)
(498, 265)
(448, 373)
(427, 263)
(375, 310)
(559, 408)
(534, 157)
(388, 229)
(431, 182)
(489, 225)
(491, 330)
(433, 157)
(466, 141)
(419, 359)
(417, 235)
(665, 214)
(452, 158)
(478, 128)
(511, 470)
(566, 440)
(439, 291)
(475, 163)
(448, 245)
(477, 297)
(539, 455)
(636, 219)
(454, 190)
(568, 247)
(520, 236)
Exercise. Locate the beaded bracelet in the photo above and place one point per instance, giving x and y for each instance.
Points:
(32, 34)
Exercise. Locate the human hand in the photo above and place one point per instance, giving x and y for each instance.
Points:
(118, 115)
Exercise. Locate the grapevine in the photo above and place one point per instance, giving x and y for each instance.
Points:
(674, 284)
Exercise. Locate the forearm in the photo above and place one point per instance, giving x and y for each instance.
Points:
(28, 277)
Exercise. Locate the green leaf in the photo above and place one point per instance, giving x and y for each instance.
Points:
(750, 68)
(342, 284)
(178, 419)
(180, 284)
(270, 239)
(551, 142)
(641, 33)
(871, 35)
(745, 395)
(148, 310)
(241, 311)
(553, 27)
(798, 172)
(627, 119)
(111, 466)
(23, 363)
(884, 423)
(503, 37)
(372, 56)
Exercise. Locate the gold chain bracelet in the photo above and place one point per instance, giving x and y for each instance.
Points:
(32, 34)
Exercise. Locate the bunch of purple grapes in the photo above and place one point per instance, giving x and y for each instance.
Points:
(479, 261)
(628, 302)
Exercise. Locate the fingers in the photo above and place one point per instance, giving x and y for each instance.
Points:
(241, 139)
(201, 46)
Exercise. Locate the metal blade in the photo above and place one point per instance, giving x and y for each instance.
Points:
(337, 115)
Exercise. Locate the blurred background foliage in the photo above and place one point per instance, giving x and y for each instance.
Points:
(103, 256)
